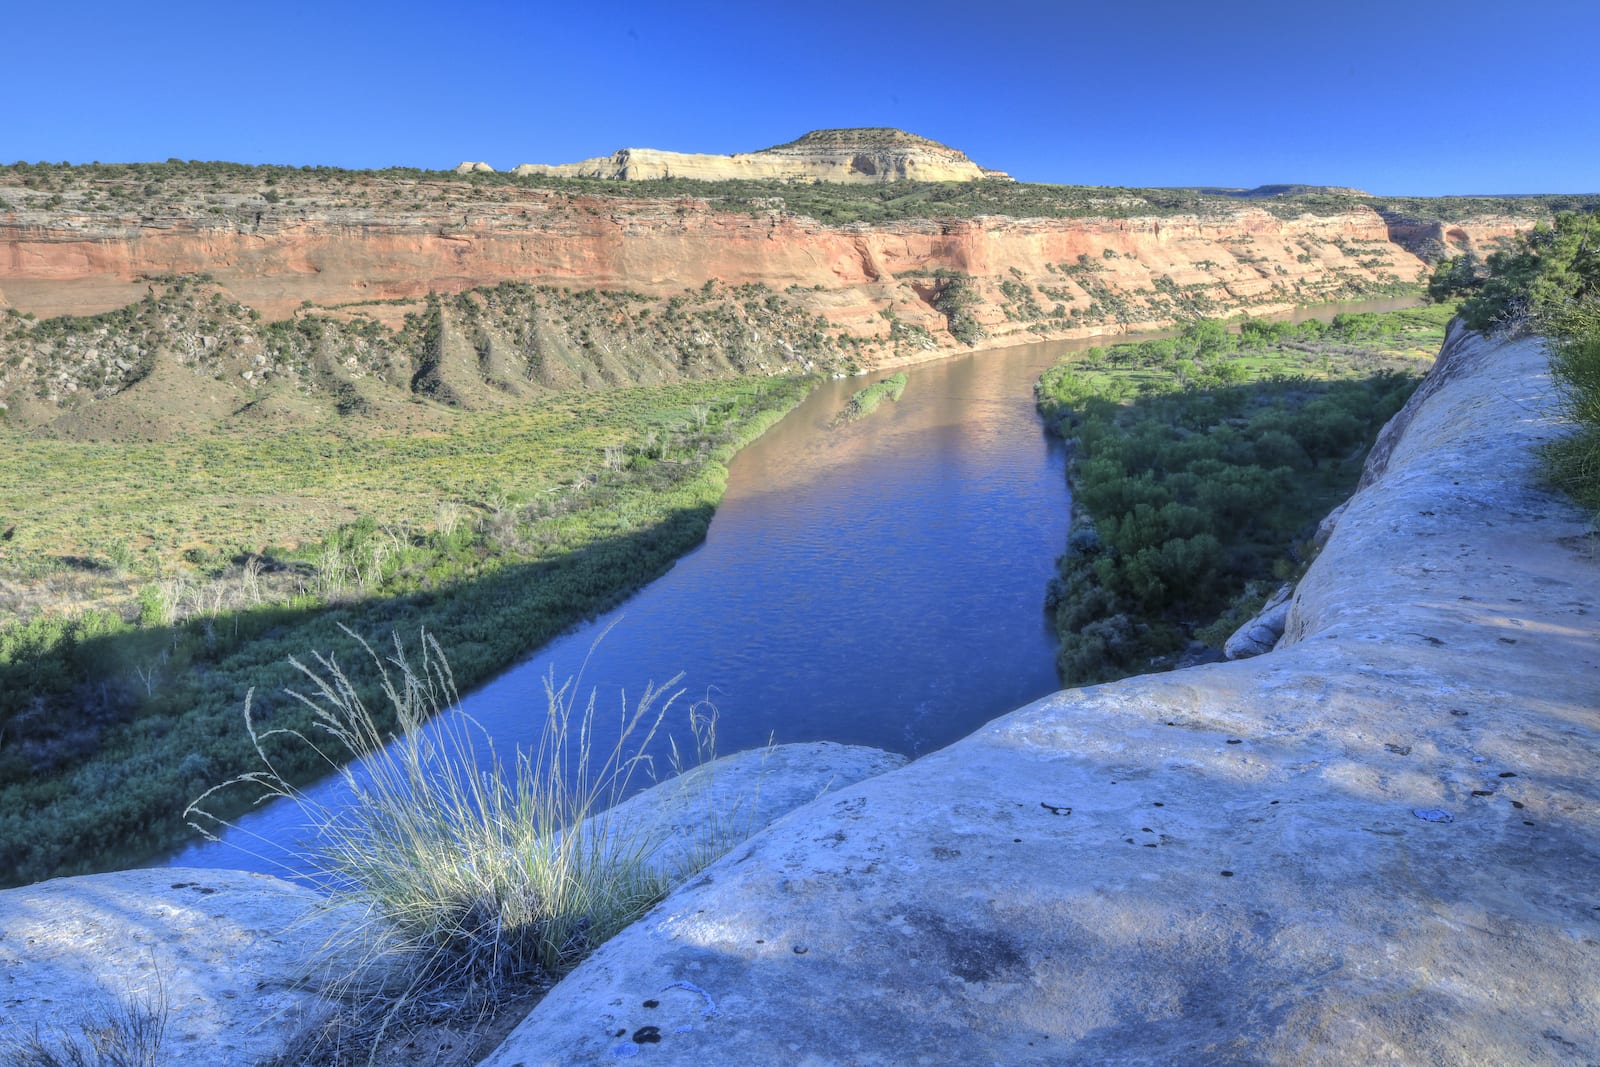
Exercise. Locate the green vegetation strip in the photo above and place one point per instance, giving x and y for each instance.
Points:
(495, 532)
(171, 188)
(865, 401)
(1197, 463)
(1548, 283)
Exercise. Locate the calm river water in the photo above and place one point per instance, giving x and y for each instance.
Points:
(880, 583)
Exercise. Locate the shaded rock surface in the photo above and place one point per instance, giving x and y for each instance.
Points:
(236, 959)
(232, 958)
(710, 808)
(1377, 843)
(1261, 633)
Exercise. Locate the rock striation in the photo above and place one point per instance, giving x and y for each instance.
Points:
(1030, 278)
(853, 155)
(1376, 843)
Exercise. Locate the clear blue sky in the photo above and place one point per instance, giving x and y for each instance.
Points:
(1402, 96)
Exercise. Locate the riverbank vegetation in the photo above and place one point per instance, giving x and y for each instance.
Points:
(1201, 464)
(494, 530)
(864, 402)
(1549, 283)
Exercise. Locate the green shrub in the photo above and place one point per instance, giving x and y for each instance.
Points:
(1550, 266)
(1200, 485)
(1550, 282)
(1573, 462)
(954, 300)
(865, 401)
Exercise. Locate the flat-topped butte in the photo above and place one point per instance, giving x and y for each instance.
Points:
(852, 156)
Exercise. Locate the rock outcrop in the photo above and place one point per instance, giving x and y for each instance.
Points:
(1260, 634)
(855, 156)
(231, 963)
(223, 958)
(1434, 240)
(1374, 844)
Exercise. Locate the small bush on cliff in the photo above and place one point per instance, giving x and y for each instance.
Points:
(955, 300)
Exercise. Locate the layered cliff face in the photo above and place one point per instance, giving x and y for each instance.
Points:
(877, 285)
(859, 155)
(1434, 239)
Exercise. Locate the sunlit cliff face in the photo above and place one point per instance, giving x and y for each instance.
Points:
(1031, 278)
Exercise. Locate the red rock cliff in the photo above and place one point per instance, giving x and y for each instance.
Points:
(1033, 277)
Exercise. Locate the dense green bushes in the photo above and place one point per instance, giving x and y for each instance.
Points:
(955, 298)
(1551, 266)
(1548, 283)
(1201, 484)
(1573, 462)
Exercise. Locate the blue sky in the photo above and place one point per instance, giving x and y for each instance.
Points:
(1398, 97)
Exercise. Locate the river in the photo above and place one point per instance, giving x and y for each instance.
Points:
(879, 583)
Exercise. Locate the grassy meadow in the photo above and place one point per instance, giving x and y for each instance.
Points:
(151, 586)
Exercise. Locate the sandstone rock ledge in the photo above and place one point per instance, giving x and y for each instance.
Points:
(1378, 843)
(234, 961)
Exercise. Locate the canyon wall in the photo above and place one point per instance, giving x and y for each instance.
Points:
(1032, 278)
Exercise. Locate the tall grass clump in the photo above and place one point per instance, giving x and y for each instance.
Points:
(473, 878)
